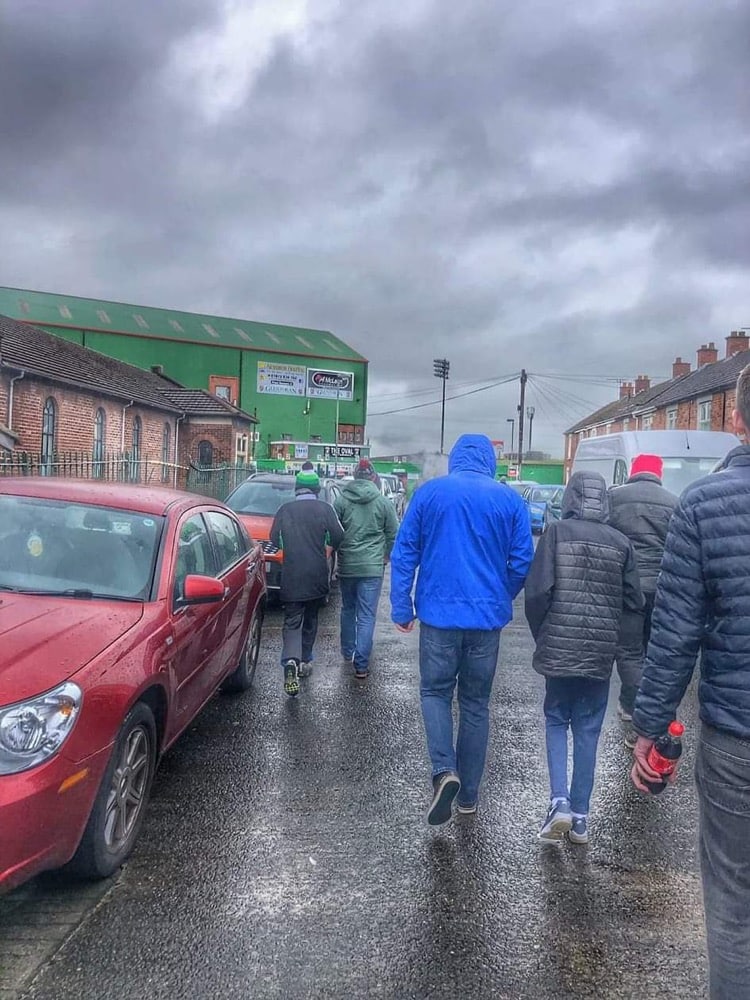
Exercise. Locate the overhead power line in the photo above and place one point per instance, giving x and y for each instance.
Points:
(459, 395)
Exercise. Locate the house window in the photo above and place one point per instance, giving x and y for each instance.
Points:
(704, 415)
(100, 427)
(135, 456)
(240, 448)
(626, 424)
(49, 428)
(205, 454)
(672, 418)
(646, 422)
(166, 452)
(608, 428)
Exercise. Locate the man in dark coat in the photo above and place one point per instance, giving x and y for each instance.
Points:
(302, 529)
(584, 573)
(703, 606)
(641, 509)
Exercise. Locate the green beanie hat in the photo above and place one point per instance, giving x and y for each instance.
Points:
(307, 480)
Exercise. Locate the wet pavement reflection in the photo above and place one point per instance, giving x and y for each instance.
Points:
(285, 854)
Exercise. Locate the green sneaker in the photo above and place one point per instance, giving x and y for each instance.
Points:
(291, 678)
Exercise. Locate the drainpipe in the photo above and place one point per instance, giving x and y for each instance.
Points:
(15, 379)
(122, 424)
(177, 423)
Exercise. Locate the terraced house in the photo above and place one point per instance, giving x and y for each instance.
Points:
(700, 398)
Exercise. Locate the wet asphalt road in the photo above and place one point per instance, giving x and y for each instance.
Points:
(285, 855)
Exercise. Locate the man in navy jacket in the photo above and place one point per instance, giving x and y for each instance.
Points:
(470, 538)
(703, 606)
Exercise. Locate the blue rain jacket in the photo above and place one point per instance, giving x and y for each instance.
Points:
(470, 539)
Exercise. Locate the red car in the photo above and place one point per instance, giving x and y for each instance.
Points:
(122, 610)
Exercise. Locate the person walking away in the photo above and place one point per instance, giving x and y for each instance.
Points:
(703, 606)
(303, 529)
(470, 539)
(370, 525)
(583, 575)
(641, 509)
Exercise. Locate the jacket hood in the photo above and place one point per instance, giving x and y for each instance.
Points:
(586, 497)
(473, 453)
(361, 491)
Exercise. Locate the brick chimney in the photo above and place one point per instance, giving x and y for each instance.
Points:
(737, 341)
(626, 390)
(642, 383)
(680, 367)
(707, 354)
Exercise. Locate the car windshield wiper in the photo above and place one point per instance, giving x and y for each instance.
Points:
(79, 593)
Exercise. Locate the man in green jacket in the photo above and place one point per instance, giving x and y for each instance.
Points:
(370, 525)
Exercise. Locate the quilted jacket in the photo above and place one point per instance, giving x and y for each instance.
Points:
(642, 509)
(583, 575)
(703, 606)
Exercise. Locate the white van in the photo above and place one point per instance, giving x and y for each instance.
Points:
(687, 455)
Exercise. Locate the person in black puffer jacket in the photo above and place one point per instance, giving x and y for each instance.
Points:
(584, 573)
(641, 509)
(703, 606)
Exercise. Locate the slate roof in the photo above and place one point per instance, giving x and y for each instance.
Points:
(627, 406)
(26, 348)
(708, 379)
(49, 309)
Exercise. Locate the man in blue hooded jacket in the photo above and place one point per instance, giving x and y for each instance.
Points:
(470, 538)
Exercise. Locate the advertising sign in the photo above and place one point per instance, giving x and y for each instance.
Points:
(281, 380)
(300, 451)
(323, 384)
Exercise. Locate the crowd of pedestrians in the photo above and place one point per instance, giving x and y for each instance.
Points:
(629, 576)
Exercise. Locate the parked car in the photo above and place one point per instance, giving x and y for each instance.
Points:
(545, 505)
(393, 489)
(122, 610)
(256, 501)
(687, 455)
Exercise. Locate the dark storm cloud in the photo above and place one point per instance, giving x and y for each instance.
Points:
(558, 187)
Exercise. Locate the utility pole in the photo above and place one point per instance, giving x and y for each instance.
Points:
(530, 411)
(512, 422)
(442, 368)
(336, 439)
(522, 403)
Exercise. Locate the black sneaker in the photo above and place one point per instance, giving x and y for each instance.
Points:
(291, 678)
(446, 786)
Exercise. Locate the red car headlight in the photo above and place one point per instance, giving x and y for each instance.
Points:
(33, 731)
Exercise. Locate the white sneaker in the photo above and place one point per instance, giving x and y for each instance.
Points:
(625, 716)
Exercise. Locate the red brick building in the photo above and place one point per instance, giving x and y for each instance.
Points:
(65, 409)
(693, 399)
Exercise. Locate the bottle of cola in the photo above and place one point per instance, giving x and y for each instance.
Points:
(663, 756)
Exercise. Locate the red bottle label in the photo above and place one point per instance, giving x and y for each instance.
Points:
(662, 765)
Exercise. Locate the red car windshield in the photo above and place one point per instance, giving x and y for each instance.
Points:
(52, 547)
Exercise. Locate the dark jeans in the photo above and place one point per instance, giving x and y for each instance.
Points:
(359, 608)
(467, 659)
(722, 773)
(580, 704)
(635, 631)
(299, 630)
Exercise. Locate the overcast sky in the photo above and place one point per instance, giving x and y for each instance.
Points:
(557, 186)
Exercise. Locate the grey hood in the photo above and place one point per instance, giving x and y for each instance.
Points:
(585, 497)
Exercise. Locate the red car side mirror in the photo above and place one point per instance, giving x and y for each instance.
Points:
(202, 590)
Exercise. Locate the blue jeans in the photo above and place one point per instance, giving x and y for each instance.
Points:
(359, 609)
(467, 659)
(580, 704)
(722, 773)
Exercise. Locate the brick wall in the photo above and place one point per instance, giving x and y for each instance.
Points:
(75, 416)
(221, 436)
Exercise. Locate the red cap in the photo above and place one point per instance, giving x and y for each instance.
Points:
(647, 463)
(676, 729)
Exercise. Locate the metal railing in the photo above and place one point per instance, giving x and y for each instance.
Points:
(122, 467)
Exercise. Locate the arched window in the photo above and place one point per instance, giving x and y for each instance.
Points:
(100, 430)
(205, 460)
(205, 454)
(166, 452)
(135, 452)
(49, 430)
